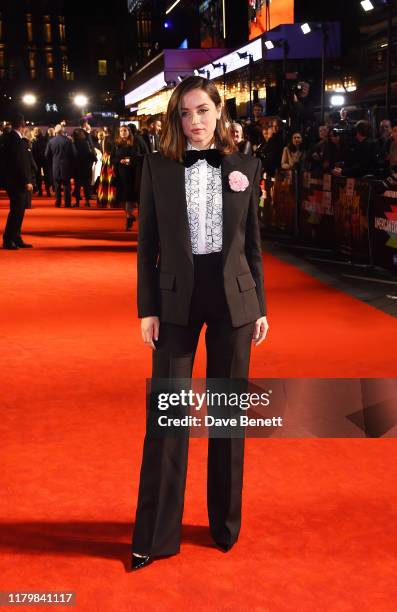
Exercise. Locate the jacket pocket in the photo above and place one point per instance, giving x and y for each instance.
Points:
(167, 281)
(246, 282)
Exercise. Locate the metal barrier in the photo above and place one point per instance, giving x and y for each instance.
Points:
(351, 216)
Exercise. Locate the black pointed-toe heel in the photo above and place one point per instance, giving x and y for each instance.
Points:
(139, 562)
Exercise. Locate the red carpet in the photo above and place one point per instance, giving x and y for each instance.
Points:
(319, 519)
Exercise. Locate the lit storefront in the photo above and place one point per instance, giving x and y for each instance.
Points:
(149, 90)
(233, 72)
(243, 76)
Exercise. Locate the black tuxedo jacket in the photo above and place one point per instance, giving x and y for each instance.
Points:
(17, 162)
(165, 260)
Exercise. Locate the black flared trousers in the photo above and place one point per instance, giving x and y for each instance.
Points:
(159, 512)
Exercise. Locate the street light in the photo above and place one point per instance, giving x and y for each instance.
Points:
(250, 57)
(80, 100)
(367, 5)
(307, 28)
(337, 100)
(29, 99)
(224, 68)
(280, 43)
(203, 72)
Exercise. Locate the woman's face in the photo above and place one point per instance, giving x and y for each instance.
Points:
(297, 139)
(199, 115)
(237, 131)
(267, 132)
(123, 132)
(335, 138)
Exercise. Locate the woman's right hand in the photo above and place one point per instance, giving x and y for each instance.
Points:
(150, 327)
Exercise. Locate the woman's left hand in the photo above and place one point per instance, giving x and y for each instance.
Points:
(260, 331)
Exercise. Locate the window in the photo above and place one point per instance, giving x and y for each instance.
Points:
(49, 58)
(1, 58)
(65, 67)
(33, 73)
(1, 27)
(50, 73)
(61, 28)
(102, 67)
(32, 59)
(29, 27)
(47, 28)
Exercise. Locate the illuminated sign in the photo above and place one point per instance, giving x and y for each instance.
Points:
(276, 12)
(233, 61)
(134, 5)
(147, 89)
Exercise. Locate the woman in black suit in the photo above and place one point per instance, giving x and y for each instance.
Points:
(199, 261)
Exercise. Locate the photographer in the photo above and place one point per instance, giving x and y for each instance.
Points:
(298, 109)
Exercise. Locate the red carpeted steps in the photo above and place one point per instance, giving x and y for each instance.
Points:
(319, 515)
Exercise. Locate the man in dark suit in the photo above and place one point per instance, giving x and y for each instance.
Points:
(59, 152)
(87, 132)
(152, 135)
(18, 183)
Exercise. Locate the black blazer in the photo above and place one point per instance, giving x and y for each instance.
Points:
(165, 260)
(59, 151)
(17, 162)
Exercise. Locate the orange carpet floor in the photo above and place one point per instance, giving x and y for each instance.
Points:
(319, 516)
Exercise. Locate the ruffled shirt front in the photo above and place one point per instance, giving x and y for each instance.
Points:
(203, 184)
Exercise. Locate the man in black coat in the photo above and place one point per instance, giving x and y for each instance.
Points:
(85, 126)
(59, 152)
(39, 144)
(18, 183)
(152, 135)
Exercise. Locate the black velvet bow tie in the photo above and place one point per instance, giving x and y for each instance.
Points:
(212, 157)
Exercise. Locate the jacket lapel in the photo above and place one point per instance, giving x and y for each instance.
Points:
(232, 202)
(174, 194)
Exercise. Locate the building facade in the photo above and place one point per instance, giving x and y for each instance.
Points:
(33, 41)
(56, 50)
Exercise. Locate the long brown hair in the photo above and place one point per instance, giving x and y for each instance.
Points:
(130, 140)
(173, 140)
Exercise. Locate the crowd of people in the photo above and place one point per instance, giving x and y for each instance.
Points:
(340, 147)
(106, 163)
(66, 163)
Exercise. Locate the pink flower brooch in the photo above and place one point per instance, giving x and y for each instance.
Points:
(238, 181)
